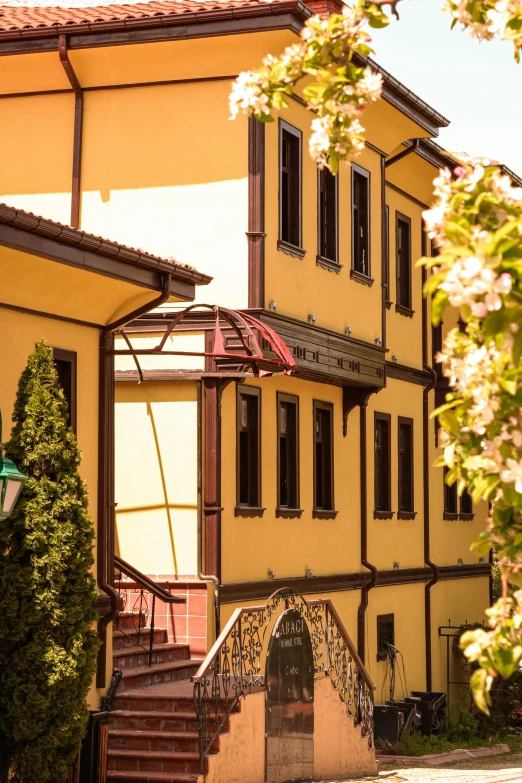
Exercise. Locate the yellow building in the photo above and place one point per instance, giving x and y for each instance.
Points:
(305, 465)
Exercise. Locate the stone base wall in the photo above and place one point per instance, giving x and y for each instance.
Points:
(339, 749)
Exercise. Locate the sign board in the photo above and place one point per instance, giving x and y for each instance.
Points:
(290, 701)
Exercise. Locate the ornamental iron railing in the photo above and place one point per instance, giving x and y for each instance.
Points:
(138, 594)
(235, 666)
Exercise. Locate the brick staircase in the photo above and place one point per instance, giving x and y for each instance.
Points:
(152, 729)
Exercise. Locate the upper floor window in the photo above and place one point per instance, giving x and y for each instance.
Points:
(327, 215)
(406, 500)
(290, 184)
(248, 447)
(287, 453)
(360, 220)
(382, 470)
(65, 363)
(323, 460)
(455, 507)
(403, 261)
(386, 251)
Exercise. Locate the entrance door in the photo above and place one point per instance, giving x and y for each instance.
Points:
(290, 701)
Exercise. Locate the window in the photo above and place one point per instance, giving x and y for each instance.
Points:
(386, 249)
(360, 221)
(450, 499)
(327, 215)
(385, 635)
(287, 455)
(455, 507)
(248, 449)
(65, 363)
(405, 436)
(290, 165)
(382, 466)
(323, 461)
(403, 261)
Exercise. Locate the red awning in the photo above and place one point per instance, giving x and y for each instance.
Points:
(250, 332)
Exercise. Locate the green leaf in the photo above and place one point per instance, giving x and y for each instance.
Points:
(479, 687)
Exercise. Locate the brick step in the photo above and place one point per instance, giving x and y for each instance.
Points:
(133, 657)
(170, 741)
(121, 640)
(153, 720)
(128, 621)
(153, 761)
(144, 676)
(151, 777)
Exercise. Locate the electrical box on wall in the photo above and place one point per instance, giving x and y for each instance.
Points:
(385, 635)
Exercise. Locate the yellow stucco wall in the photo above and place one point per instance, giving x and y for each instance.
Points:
(156, 473)
(458, 601)
(290, 546)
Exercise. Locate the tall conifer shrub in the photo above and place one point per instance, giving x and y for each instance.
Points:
(47, 592)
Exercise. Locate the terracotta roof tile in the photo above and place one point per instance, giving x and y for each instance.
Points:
(13, 18)
(106, 247)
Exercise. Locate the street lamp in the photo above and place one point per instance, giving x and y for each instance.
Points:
(11, 482)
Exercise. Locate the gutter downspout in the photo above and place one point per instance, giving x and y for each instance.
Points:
(78, 130)
(396, 158)
(363, 606)
(201, 575)
(106, 504)
(426, 480)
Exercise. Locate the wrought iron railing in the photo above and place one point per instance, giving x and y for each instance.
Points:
(235, 666)
(138, 594)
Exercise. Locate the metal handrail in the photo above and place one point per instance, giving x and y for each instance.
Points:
(140, 609)
(234, 666)
(147, 583)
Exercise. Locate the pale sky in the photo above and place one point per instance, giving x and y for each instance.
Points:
(478, 86)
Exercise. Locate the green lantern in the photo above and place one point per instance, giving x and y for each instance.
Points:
(11, 482)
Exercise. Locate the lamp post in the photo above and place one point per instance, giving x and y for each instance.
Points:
(11, 482)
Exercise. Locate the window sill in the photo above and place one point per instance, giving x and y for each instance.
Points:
(248, 511)
(290, 250)
(388, 304)
(383, 514)
(402, 310)
(327, 263)
(323, 513)
(466, 517)
(406, 514)
(449, 516)
(288, 513)
(360, 278)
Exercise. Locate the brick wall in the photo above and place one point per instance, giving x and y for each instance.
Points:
(325, 7)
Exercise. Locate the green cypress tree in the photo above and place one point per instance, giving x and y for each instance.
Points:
(47, 591)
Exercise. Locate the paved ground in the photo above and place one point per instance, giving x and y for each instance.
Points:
(495, 769)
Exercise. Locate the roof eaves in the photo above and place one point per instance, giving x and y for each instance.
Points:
(296, 7)
(27, 221)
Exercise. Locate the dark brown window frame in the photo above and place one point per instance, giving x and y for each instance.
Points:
(379, 513)
(387, 281)
(405, 513)
(291, 249)
(404, 308)
(384, 619)
(288, 512)
(324, 513)
(244, 509)
(322, 260)
(356, 274)
(459, 513)
(63, 355)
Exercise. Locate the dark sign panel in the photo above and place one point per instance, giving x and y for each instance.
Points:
(290, 701)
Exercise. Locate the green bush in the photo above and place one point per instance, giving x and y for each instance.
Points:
(47, 592)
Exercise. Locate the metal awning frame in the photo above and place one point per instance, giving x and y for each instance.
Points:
(245, 327)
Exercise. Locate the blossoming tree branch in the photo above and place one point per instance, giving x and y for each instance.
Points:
(476, 225)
